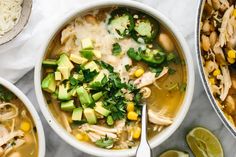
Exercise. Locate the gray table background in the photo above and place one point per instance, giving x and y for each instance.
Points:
(183, 14)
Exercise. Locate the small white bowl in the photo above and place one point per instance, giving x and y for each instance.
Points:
(32, 111)
(157, 140)
(20, 25)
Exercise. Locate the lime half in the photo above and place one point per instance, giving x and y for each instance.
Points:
(174, 153)
(203, 143)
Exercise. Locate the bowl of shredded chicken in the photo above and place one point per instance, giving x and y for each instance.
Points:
(14, 15)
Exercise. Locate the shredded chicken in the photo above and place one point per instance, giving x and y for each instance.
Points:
(8, 111)
(149, 78)
(99, 130)
(158, 118)
(226, 82)
(10, 136)
(226, 27)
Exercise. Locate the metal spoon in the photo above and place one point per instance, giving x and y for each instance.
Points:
(144, 149)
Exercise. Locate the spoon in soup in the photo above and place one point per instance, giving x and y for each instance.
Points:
(144, 148)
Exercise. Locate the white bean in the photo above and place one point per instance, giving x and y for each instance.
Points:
(166, 42)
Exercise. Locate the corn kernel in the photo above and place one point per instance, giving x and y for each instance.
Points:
(25, 126)
(232, 54)
(136, 133)
(231, 60)
(139, 72)
(86, 138)
(216, 72)
(212, 81)
(234, 12)
(132, 115)
(130, 106)
(79, 137)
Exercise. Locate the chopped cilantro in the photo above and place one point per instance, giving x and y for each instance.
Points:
(116, 50)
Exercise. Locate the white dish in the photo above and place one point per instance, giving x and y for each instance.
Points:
(32, 111)
(157, 140)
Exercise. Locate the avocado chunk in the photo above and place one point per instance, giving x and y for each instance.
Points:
(97, 54)
(100, 109)
(97, 96)
(77, 114)
(57, 76)
(87, 43)
(84, 97)
(62, 93)
(98, 80)
(51, 63)
(64, 66)
(65, 72)
(78, 59)
(78, 76)
(92, 66)
(110, 120)
(73, 92)
(68, 106)
(88, 54)
(64, 61)
(89, 114)
(49, 83)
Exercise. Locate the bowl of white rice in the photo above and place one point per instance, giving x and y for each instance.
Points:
(14, 15)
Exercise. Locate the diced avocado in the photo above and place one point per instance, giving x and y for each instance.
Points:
(68, 106)
(77, 114)
(65, 71)
(62, 93)
(97, 96)
(64, 61)
(79, 76)
(84, 97)
(100, 109)
(110, 120)
(73, 92)
(92, 66)
(64, 66)
(50, 63)
(58, 76)
(49, 83)
(97, 54)
(88, 54)
(78, 59)
(97, 81)
(87, 43)
(90, 115)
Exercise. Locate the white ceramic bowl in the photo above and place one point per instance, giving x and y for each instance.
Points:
(157, 140)
(33, 113)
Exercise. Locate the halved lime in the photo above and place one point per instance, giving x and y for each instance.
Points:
(174, 153)
(204, 143)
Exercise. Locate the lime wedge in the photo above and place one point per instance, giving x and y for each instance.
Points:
(203, 143)
(174, 153)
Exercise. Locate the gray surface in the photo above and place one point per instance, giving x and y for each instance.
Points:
(182, 14)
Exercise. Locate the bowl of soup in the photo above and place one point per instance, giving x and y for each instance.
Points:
(21, 131)
(100, 63)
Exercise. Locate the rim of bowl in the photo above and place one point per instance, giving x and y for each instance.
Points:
(204, 80)
(20, 95)
(20, 25)
(157, 140)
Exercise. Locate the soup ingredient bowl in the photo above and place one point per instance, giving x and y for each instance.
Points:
(162, 136)
(19, 26)
(33, 113)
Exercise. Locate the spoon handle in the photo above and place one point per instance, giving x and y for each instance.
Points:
(144, 149)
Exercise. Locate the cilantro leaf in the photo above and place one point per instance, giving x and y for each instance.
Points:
(116, 50)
